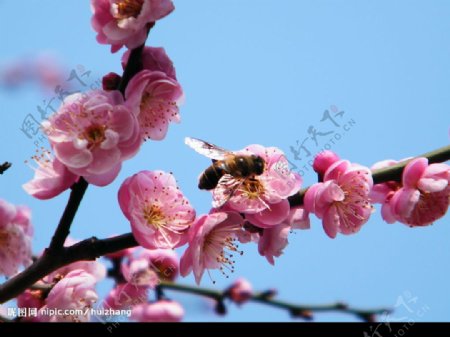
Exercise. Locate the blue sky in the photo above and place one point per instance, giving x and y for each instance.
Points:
(261, 71)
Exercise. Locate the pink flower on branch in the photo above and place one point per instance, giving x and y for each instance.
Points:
(240, 291)
(15, 238)
(424, 196)
(263, 199)
(125, 295)
(342, 200)
(75, 291)
(154, 59)
(273, 241)
(125, 22)
(51, 178)
(161, 311)
(159, 214)
(92, 133)
(154, 97)
(212, 244)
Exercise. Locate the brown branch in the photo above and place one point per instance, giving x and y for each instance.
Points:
(63, 229)
(134, 64)
(393, 173)
(88, 249)
(3, 167)
(296, 310)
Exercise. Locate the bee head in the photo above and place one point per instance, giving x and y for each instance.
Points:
(258, 164)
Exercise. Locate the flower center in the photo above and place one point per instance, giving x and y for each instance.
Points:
(252, 188)
(222, 246)
(154, 216)
(95, 135)
(128, 8)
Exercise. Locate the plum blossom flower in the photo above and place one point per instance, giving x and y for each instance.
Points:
(154, 59)
(124, 22)
(264, 198)
(15, 238)
(161, 311)
(75, 291)
(159, 214)
(212, 243)
(125, 295)
(273, 241)
(139, 271)
(423, 197)
(323, 161)
(342, 200)
(155, 99)
(164, 262)
(51, 177)
(92, 133)
(240, 291)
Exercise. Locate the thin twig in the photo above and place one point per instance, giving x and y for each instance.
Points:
(296, 310)
(63, 229)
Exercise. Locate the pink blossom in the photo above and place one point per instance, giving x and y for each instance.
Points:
(92, 133)
(240, 291)
(164, 262)
(15, 238)
(124, 296)
(124, 22)
(159, 214)
(260, 196)
(51, 178)
(154, 59)
(75, 291)
(161, 311)
(342, 200)
(154, 97)
(138, 271)
(298, 218)
(323, 161)
(273, 241)
(212, 242)
(30, 299)
(424, 197)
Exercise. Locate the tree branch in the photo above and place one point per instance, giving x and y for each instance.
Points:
(63, 229)
(393, 173)
(134, 64)
(296, 310)
(4, 167)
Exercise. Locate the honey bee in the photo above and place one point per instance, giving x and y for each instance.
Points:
(228, 171)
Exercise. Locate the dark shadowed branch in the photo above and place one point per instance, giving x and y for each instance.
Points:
(3, 167)
(304, 311)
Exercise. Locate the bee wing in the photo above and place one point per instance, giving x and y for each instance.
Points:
(207, 149)
(225, 189)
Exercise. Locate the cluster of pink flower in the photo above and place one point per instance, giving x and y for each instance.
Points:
(344, 199)
(92, 133)
(70, 290)
(140, 271)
